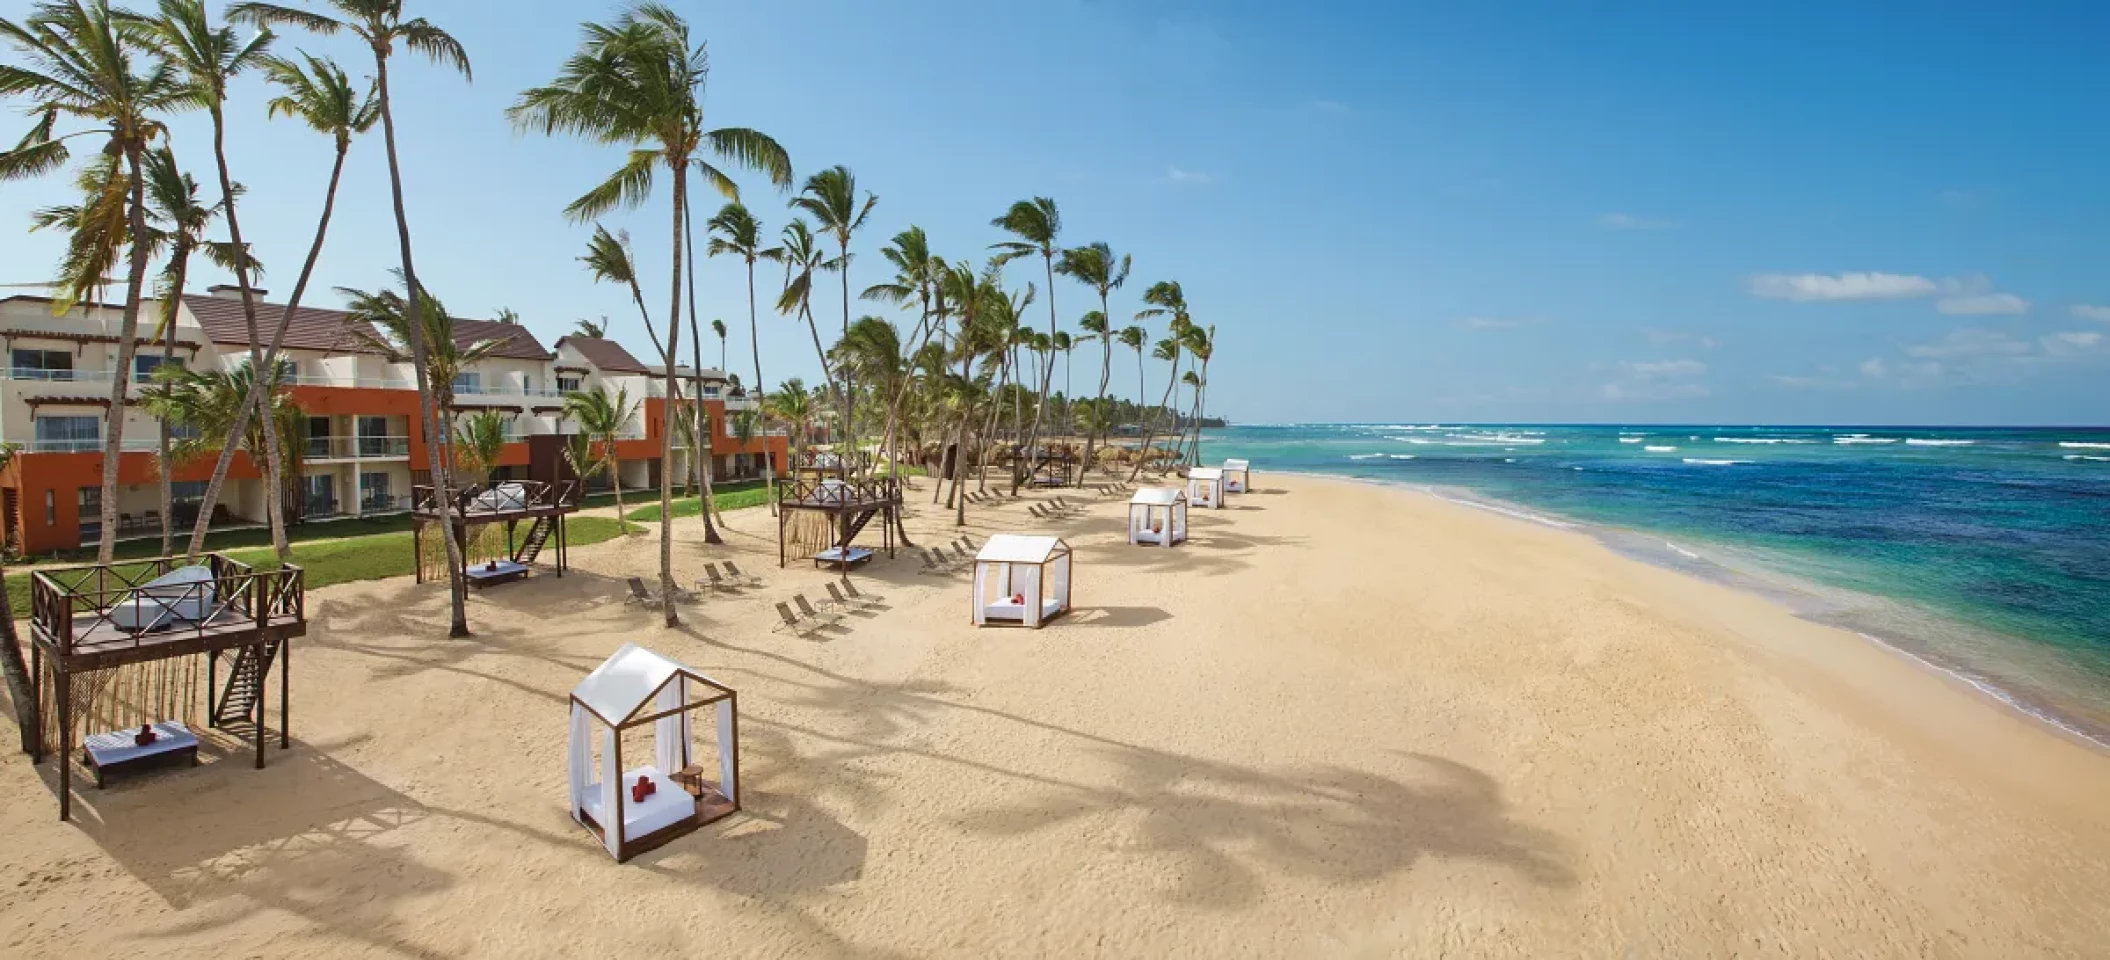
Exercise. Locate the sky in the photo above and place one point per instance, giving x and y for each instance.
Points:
(1504, 212)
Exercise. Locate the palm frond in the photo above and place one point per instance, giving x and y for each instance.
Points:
(627, 187)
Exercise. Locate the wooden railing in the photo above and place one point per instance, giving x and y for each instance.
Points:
(104, 606)
(834, 492)
(504, 496)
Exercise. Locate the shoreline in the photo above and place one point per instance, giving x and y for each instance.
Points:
(1783, 595)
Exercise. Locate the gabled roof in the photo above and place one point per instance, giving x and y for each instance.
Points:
(628, 680)
(515, 341)
(605, 354)
(1236, 465)
(312, 328)
(1205, 473)
(1018, 548)
(1158, 496)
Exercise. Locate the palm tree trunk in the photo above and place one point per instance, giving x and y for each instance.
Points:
(20, 688)
(1047, 377)
(168, 337)
(421, 359)
(615, 474)
(300, 287)
(1164, 406)
(1106, 370)
(754, 343)
(700, 439)
(121, 378)
(848, 398)
(666, 439)
(274, 483)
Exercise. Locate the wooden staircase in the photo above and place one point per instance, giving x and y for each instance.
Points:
(537, 535)
(237, 702)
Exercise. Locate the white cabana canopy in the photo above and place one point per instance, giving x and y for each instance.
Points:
(1157, 515)
(1238, 476)
(632, 688)
(1021, 580)
(1205, 487)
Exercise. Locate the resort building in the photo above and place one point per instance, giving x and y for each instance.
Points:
(364, 446)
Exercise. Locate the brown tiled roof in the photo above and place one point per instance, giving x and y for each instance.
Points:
(605, 354)
(311, 328)
(518, 343)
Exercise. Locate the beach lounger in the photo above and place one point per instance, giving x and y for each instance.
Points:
(639, 595)
(732, 571)
(712, 581)
(931, 564)
(788, 620)
(968, 542)
(866, 600)
(1034, 510)
(835, 600)
(805, 609)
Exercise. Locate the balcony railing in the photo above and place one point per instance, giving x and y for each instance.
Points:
(132, 444)
(371, 383)
(95, 609)
(383, 503)
(58, 376)
(503, 390)
(357, 448)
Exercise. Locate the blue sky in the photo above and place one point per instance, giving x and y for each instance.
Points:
(1636, 212)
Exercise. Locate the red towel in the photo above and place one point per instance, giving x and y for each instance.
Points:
(145, 736)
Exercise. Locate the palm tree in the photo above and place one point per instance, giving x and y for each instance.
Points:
(793, 405)
(1201, 345)
(214, 407)
(1095, 266)
(718, 327)
(735, 232)
(81, 62)
(608, 259)
(1063, 344)
(1134, 338)
(1166, 300)
(915, 277)
(583, 327)
(602, 417)
(97, 228)
(802, 258)
(639, 82)
(179, 221)
(479, 441)
(323, 97)
(1036, 223)
(830, 196)
(392, 315)
(380, 24)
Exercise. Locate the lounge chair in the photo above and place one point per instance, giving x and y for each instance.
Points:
(1034, 510)
(639, 595)
(740, 579)
(931, 563)
(968, 542)
(835, 600)
(798, 602)
(712, 581)
(789, 621)
(866, 600)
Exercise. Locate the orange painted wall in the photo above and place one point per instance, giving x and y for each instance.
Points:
(64, 474)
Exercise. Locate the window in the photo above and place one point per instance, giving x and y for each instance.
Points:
(187, 491)
(91, 515)
(288, 371)
(69, 434)
(373, 492)
(144, 365)
(43, 365)
(469, 382)
(567, 384)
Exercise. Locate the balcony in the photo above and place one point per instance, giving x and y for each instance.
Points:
(357, 448)
(132, 444)
(378, 503)
(37, 375)
(370, 383)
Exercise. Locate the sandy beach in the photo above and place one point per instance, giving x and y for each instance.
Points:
(1344, 720)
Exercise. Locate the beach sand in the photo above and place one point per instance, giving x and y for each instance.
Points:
(1344, 721)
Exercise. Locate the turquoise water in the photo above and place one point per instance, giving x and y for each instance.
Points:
(1985, 552)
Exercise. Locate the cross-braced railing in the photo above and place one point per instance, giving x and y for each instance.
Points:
(96, 608)
(831, 492)
(504, 496)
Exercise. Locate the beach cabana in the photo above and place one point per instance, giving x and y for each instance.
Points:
(1157, 516)
(1205, 487)
(1238, 476)
(1021, 581)
(634, 808)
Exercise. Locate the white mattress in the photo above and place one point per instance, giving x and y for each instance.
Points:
(857, 554)
(1145, 536)
(1007, 610)
(179, 597)
(666, 807)
(117, 746)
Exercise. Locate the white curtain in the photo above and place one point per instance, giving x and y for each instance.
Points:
(728, 768)
(1028, 584)
(670, 735)
(1060, 589)
(1178, 526)
(580, 757)
(1138, 521)
(611, 793)
(981, 592)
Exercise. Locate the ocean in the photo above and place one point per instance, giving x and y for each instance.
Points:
(1984, 552)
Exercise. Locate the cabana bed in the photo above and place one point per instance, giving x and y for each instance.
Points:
(1205, 487)
(1238, 476)
(633, 688)
(1021, 581)
(1157, 516)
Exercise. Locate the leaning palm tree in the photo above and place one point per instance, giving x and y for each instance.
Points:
(608, 259)
(802, 257)
(380, 25)
(735, 232)
(82, 62)
(479, 441)
(1134, 338)
(915, 280)
(639, 82)
(204, 58)
(830, 197)
(1166, 299)
(602, 417)
(718, 328)
(1036, 223)
(320, 95)
(180, 220)
(1095, 266)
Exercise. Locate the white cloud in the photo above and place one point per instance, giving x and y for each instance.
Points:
(2091, 312)
(1177, 175)
(1798, 383)
(1875, 367)
(1335, 107)
(1984, 304)
(1970, 342)
(1663, 369)
(1657, 380)
(2071, 343)
(1813, 287)
(1667, 337)
(1492, 323)
(1631, 221)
